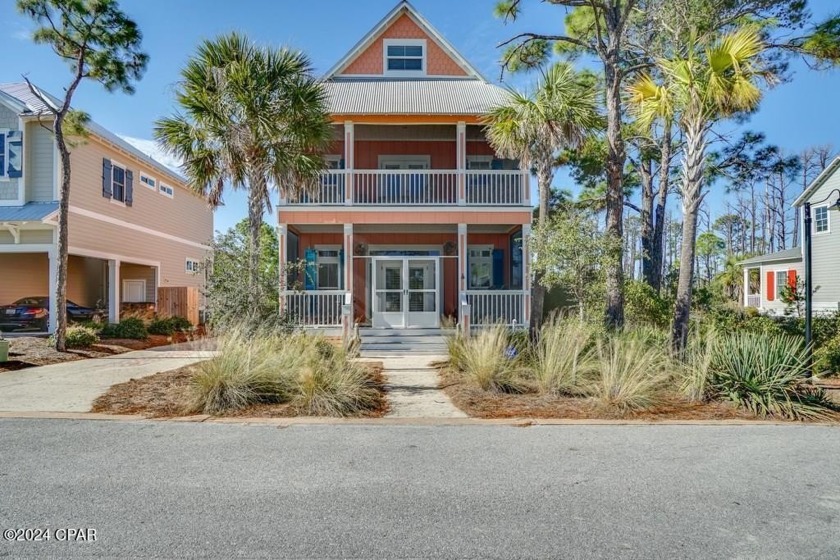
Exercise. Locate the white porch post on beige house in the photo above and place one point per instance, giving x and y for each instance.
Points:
(114, 291)
(461, 160)
(526, 273)
(349, 163)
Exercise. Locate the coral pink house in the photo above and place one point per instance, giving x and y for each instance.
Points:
(417, 219)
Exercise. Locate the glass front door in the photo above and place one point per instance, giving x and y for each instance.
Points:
(405, 292)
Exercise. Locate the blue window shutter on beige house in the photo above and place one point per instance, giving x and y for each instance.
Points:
(107, 191)
(310, 275)
(498, 268)
(129, 187)
(14, 166)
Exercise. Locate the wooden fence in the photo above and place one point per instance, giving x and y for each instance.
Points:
(181, 302)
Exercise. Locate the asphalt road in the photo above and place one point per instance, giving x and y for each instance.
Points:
(175, 490)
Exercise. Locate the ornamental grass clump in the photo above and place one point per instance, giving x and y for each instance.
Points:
(562, 357)
(488, 359)
(333, 387)
(767, 375)
(631, 375)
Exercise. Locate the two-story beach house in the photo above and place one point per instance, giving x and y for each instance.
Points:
(765, 276)
(417, 220)
(134, 226)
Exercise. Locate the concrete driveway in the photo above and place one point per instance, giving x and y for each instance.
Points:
(189, 490)
(73, 386)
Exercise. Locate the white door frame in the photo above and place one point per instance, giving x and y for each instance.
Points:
(406, 318)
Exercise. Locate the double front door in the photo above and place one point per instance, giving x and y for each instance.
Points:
(406, 292)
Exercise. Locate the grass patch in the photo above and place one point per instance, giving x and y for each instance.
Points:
(488, 359)
(562, 357)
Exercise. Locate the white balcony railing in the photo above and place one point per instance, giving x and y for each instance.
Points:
(491, 307)
(754, 300)
(321, 308)
(416, 187)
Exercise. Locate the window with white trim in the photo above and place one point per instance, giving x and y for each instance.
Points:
(821, 219)
(479, 162)
(193, 266)
(328, 268)
(166, 190)
(117, 182)
(781, 282)
(405, 56)
(481, 266)
(150, 182)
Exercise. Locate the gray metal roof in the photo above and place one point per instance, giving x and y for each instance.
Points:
(21, 92)
(413, 97)
(29, 212)
(786, 255)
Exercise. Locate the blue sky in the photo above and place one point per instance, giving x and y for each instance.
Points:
(794, 115)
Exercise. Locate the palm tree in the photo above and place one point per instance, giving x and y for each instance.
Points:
(713, 81)
(534, 128)
(251, 118)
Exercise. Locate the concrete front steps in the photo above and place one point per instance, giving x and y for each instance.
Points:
(378, 342)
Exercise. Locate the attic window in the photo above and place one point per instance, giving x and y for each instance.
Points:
(405, 56)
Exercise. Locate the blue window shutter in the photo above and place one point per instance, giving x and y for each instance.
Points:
(2, 154)
(498, 268)
(107, 191)
(341, 269)
(497, 164)
(311, 272)
(129, 187)
(341, 164)
(15, 163)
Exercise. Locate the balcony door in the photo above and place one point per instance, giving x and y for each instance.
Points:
(401, 186)
(405, 292)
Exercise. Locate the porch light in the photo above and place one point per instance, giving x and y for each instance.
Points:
(809, 291)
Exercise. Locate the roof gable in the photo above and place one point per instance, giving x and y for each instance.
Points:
(403, 22)
(818, 182)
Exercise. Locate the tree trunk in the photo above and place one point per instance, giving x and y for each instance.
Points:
(545, 174)
(58, 305)
(646, 228)
(692, 182)
(255, 221)
(614, 313)
(656, 252)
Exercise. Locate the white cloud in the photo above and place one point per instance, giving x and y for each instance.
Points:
(151, 149)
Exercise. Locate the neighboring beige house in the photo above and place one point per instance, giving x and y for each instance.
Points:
(134, 225)
(766, 275)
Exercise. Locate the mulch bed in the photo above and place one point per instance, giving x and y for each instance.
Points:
(165, 395)
(483, 404)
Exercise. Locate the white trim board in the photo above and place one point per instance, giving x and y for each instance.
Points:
(78, 251)
(135, 227)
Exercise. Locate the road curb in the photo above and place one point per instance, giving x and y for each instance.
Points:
(327, 421)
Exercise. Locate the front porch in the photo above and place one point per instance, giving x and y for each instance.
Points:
(405, 275)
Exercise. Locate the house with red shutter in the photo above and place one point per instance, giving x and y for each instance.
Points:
(417, 221)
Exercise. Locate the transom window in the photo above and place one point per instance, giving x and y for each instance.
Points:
(480, 162)
(820, 219)
(193, 266)
(166, 190)
(405, 56)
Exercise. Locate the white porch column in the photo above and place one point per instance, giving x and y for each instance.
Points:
(348, 258)
(746, 290)
(461, 160)
(463, 280)
(526, 273)
(282, 244)
(113, 291)
(349, 161)
(52, 255)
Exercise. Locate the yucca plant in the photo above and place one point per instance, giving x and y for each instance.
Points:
(631, 373)
(766, 374)
(486, 359)
(562, 355)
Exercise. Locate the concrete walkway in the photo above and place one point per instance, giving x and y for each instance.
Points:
(73, 386)
(412, 385)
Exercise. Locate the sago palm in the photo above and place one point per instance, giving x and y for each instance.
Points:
(535, 127)
(713, 81)
(250, 118)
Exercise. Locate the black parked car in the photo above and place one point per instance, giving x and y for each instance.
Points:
(32, 313)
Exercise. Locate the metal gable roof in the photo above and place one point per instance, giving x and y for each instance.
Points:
(413, 97)
(786, 255)
(29, 212)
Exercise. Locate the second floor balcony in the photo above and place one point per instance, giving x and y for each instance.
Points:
(417, 187)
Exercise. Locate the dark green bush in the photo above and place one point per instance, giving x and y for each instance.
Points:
(645, 307)
(128, 328)
(79, 336)
(827, 357)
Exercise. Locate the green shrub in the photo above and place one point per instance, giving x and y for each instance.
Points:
(181, 324)
(766, 374)
(827, 358)
(162, 326)
(562, 356)
(485, 359)
(79, 336)
(644, 306)
(631, 373)
(128, 328)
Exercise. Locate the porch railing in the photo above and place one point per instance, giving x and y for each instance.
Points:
(415, 187)
(315, 308)
(754, 300)
(490, 307)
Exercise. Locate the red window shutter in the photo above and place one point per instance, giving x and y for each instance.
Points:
(792, 279)
(771, 287)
